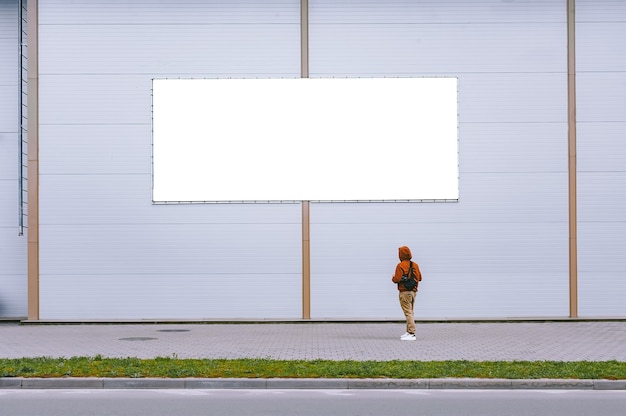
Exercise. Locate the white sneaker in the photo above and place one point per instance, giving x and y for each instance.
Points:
(406, 334)
(408, 337)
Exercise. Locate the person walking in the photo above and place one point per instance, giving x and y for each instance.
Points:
(407, 289)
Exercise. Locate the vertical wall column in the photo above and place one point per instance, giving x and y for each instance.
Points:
(571, 138)
(306, 242)
(306, 261)
(33, 158)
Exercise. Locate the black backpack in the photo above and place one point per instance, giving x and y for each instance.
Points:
(409, 281)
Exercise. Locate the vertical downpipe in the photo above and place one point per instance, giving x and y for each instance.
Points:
(20, 118)
(33, 159)
(306, 205)
(571, 138)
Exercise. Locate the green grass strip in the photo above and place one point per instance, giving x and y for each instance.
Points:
(173, 367)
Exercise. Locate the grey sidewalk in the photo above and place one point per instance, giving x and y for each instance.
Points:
(488, 341)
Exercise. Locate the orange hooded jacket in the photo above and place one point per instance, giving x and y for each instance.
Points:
(404, 254)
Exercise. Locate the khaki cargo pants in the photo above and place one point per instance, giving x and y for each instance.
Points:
(407, 301)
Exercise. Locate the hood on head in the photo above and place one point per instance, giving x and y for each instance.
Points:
(404, 253)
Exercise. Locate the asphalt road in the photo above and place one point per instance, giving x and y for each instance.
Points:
(311, 402)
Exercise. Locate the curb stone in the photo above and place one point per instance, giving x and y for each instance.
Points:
(226, 383)
(609, 385)
(60, 383)
(388, 383)
(304, 384)
(10, 383)
(554, 384)
(143, 383)
(307, 383)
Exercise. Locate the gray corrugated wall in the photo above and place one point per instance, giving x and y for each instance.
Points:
(106, 251)
(12, 244)
(601, 127)
(501, 251)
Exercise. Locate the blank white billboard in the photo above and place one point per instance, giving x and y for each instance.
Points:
(317, 139)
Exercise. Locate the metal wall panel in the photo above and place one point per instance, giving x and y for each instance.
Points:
(8, 41)
(187, 270)
(486, 255)
(125, 199)
(150, 12)
(458, 47)
(8, 105)
(164, 296)
(436, 11)
(191, 49)
(106, 252)
(12, 245)
(601, 128)
(498, 279)
(8, 182)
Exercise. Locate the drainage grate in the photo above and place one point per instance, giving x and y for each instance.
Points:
(173, 330)
(138, 339)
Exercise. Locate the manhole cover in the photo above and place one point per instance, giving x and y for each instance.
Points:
(138, 339)
(174, 330)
